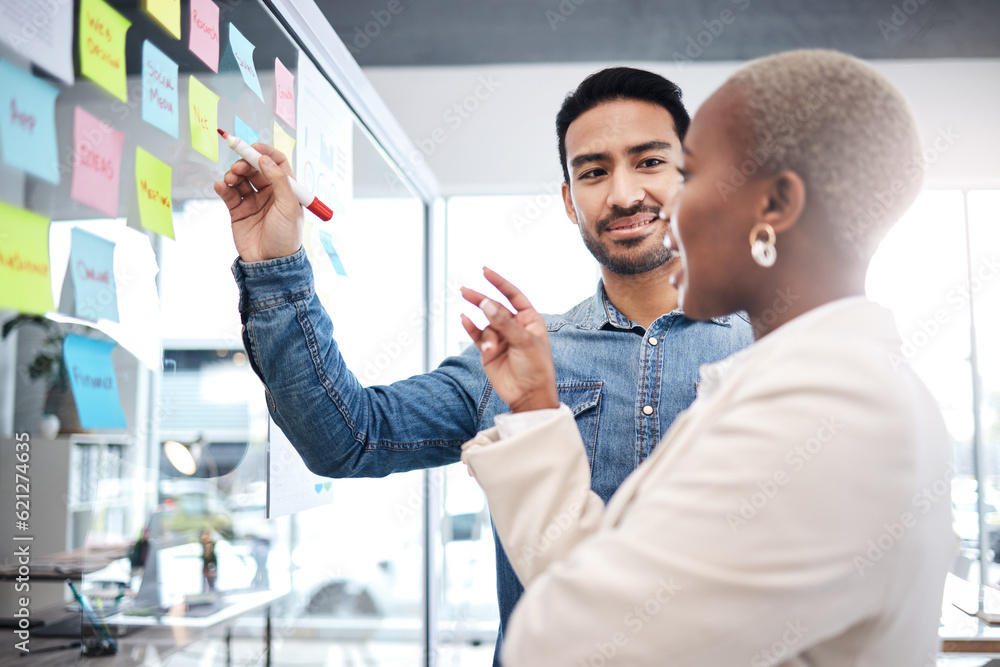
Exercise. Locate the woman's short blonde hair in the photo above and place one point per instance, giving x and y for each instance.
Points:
(845, 130)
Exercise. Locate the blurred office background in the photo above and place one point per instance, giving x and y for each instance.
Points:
(400, 571)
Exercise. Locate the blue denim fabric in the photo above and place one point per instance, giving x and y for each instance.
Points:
(608, 369)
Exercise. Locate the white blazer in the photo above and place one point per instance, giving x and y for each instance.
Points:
(798, 513)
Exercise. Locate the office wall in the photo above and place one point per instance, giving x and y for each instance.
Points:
(490, 129)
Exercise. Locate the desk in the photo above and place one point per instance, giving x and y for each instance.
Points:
(961, 632)
(147, 636)
(69, 564)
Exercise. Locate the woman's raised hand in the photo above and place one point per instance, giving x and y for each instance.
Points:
(514, 347)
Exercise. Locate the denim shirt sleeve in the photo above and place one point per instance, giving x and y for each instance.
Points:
(340, 428)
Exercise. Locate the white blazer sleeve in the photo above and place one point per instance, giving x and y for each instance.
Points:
(745, 546)
(542, 505)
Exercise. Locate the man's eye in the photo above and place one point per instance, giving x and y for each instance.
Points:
(651, 162)
(593, 173)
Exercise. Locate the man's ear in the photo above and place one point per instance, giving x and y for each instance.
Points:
(784, 200)
(568, 203)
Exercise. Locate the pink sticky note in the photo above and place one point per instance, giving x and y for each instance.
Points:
(97, 158)
(204, 41)
(284, 92)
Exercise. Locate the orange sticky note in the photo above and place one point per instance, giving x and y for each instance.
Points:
(284, 93)
(102, 46)
(203, 108)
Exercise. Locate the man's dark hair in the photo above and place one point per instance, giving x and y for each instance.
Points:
(619, 83)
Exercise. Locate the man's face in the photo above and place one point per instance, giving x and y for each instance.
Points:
(622, 158)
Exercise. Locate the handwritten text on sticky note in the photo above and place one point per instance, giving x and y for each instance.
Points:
(153, 182)
(242, 50)
(25, 285)
(102, 46)
(204, 36)
(91, 266)
(28, 122)
(284, 93)
(203, 106)
(159, 89)
(97, 157)
(92, 378)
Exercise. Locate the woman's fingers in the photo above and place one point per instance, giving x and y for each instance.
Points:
(508, 289)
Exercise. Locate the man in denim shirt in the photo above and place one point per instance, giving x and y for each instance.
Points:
(626, 359)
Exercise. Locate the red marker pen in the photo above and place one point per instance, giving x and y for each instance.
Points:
(248, 153)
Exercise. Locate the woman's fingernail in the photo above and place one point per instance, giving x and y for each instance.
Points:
(663, 214)
(486, 347)
(488, 307)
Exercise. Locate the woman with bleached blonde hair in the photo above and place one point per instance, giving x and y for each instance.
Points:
(798, 513)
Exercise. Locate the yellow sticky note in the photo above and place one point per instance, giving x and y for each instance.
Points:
(203, 108)
(152, 184)
(102, 46)
(283, 141)
(166, 13)
(25, 285)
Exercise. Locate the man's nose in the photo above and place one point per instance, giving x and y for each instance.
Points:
(626, 190)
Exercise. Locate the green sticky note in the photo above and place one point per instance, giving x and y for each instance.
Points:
(25, 285)
(102, 46)
(152, 183)
(203, 109)
(166, 13)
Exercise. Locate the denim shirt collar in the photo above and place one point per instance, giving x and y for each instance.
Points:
(602, 314)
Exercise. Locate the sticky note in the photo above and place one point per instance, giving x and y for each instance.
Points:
(284, 93)
(242, 50)
(327, 240)
(283, 141)
(25, 285)
(42, 31)
(203, 108)
(152, 182)
(159, 89)
(102, 46)
(97, 158)
(91, 267)
(165, 13)
(28, 122)
(203, 40)
(92, 379)
(245, 132)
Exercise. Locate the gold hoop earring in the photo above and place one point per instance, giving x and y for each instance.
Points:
(763, 252)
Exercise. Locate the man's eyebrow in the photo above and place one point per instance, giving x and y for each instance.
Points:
(589, 157)
(650, 145)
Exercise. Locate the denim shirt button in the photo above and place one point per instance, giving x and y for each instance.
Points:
(647, 410)
(653, 340)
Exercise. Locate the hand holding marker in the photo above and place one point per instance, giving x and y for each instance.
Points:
(248, 153)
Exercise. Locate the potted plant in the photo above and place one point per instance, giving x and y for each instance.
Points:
(48, 366)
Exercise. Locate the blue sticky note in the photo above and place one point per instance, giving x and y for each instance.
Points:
(242, 49)
(92, 378)
(327, 241)
(28, 122)
(91, 263)
(159, 90)
(244, 132)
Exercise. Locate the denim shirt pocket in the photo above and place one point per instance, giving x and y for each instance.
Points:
(584, 398)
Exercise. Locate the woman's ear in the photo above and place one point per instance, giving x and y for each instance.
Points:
(568, 203)
(785, 201)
